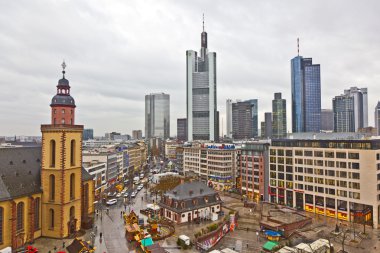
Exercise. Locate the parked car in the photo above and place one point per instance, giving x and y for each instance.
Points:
(111, 202)
(118, 195)
(133, 194)
(126, 195)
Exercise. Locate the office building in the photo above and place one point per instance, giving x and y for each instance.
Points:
(306, 95)
(137, 134)
(279, 127)
(242, 125)
(351, 110)
(377, 118)
(201, 93)
(214, 164)
(327, 120)
(266, 126)
(253, 166)
(255, 114)
(88, 134)
(157, 115)
(229, 118)
(343, 109)
(336, 178)
(182, 129)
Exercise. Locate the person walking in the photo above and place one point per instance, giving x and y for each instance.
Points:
(101, 234)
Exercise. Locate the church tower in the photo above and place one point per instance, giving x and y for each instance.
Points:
(61, 172)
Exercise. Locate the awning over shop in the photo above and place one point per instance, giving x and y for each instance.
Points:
(269, 245)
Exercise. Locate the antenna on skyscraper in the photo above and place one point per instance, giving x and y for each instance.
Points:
(298, 46)
(203, 22)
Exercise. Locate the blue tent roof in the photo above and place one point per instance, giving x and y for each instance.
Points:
(272, 233)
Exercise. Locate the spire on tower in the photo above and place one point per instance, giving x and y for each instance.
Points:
(63, 68)
(298, 46)
(203, 22)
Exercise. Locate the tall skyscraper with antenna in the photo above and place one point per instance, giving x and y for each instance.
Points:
(201, 90)
(306, 94)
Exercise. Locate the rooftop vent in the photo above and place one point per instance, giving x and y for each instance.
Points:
(11, 162)
(30, 172)
(16, 174)
(23, 161)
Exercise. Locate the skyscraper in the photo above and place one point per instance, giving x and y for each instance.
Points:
(157, 115)
(201, 99)
(279, 116)
(343, 109)
(266, 126)
(255, 121)
(242, 123)
(377, 118)
(327, 120)
(306, 95)
(351, 110)
(360, 96)
(229, 117)
(182, 129)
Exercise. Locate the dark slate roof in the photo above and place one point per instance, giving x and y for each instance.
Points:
(20, 170)
(182, 191)
(86, 176)
(63, 100)
(63, 82)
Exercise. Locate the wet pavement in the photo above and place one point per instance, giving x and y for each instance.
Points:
(111, 225)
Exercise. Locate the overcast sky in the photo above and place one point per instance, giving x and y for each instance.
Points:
(119, 51)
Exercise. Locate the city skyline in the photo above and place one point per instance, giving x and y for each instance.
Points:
(254, 49)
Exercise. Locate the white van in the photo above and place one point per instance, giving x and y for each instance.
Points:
(136, 180)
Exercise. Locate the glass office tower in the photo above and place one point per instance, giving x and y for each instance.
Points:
(279, 116)
(306, 95)
(201, 100)
(157, 115)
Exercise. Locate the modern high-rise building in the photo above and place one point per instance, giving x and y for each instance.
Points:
(327, 120)
(279, 116)
(88, 134)
(137, 134)
(157, 115)
(266, 126)
(351, 110)
(229, 117)
(306, 95)
(182, 129)
(236, 113)
(343, 109)
(377, 118)
(242, 121)
(201, 102)
(255, 122)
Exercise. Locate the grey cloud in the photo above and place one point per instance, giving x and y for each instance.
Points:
(119, 51)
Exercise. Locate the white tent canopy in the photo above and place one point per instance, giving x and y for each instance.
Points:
(154, 207)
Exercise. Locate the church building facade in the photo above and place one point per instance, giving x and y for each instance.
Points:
(44, 191)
